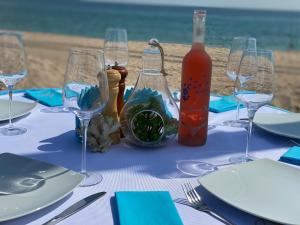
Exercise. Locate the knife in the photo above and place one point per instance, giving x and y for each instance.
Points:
(74, 208)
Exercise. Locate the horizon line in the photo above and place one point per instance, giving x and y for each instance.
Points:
(190, 6)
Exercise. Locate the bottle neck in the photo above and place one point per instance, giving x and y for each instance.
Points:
(198, 29)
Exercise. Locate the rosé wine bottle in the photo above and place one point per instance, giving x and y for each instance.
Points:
(195, 88)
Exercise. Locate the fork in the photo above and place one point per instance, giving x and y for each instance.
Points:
(195, 200)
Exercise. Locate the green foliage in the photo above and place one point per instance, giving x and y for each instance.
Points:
(150, 120)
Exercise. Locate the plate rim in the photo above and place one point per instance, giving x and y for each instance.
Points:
(33, 105)
(244, 210)
(277, 132)
(50, 202)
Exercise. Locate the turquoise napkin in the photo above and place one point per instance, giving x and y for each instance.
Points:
(292, 156)
(48, 97)
(147, 208)
(223, 104)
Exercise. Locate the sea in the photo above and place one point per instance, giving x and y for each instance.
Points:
(277, 30)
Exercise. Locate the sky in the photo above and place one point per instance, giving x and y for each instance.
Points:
(253, 4)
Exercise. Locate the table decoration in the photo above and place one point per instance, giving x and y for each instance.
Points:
(85, 93)
(224, 104)
(18, 109)
(195, 88)
(254, 87)
(283, 124)
(147, 207)
(104, 128)
(292, 156)
(150, 116)
(17, 172)
(116, 57)
(264, 188)
(238, 45)
(49, 97)
(13, 68)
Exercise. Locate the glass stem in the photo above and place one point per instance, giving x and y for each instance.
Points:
(249, 133)
(84, 125)
(10, 92)
(237, 116)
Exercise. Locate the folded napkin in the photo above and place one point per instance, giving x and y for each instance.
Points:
(292, 156)
(225, 103)
(145, 208)
(48, 97)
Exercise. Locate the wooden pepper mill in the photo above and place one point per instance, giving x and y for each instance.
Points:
(123, 71)
(111, 109)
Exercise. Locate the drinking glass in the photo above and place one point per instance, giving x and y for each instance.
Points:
(116, 47)
(85, 93)
(13, 68)
(254, 87)
(239, 44)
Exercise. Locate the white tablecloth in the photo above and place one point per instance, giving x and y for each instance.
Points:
(51, 137)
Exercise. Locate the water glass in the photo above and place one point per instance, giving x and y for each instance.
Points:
(13, 68)
(254, 87)
(116, 47)
(85, 93)
(238, 46)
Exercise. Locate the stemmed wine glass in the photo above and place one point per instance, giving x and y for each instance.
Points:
(239, 44)
(13, 68)
(116, 47)
(254, 87)
(85, 93)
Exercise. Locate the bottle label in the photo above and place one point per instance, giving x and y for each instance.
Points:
(194, 88)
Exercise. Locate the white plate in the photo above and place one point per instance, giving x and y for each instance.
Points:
(56, 183)
(264, 188)
(18, 109)
(286, 124)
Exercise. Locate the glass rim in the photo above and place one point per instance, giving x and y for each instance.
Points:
(115, 28)
(11, 33)
(244, 37)
(266, 51)
(18, 35)
(200, 12)
(85, 50)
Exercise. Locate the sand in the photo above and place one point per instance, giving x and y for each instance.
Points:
(47, 56)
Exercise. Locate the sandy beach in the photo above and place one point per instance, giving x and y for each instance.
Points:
(47, 56)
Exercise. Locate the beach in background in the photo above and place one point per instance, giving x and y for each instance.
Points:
(48, 53)
(278, 30)
(51, 28)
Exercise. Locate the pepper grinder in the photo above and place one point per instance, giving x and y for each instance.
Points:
(116, 57)
(123, 71)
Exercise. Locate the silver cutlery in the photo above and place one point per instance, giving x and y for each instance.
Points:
(195, 200)
(74, 208)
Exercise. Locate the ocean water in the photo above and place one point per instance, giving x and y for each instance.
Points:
(273, 29)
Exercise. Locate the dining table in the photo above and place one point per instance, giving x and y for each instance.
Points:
(51, 138)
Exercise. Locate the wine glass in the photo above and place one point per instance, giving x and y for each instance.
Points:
(116, 47)
(85, 93)
(254, 87)
(13, 68)
(239, 44)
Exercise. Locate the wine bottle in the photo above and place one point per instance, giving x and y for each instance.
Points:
(195, 87)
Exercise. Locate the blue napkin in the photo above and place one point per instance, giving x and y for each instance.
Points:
(145, 208)
(48, 97)
(292, 156)
(225, 103)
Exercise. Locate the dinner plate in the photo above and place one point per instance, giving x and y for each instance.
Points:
(28, 185)
(18, 109)
(264, 188)
(285, 124)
